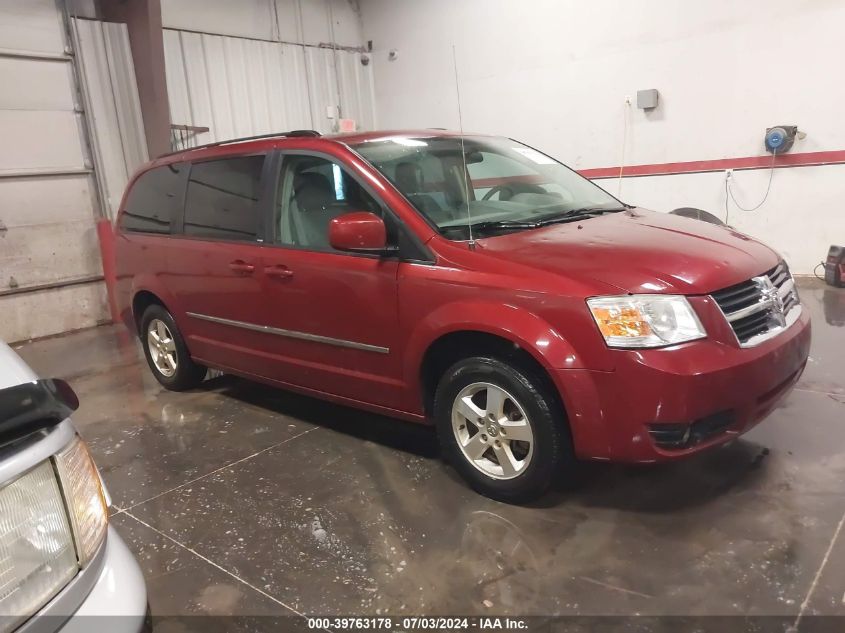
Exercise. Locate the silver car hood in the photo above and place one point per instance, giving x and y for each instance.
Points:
(13, 371)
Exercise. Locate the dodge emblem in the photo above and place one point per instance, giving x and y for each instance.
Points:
(769, 294)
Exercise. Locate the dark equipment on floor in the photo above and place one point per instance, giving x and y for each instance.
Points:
(834, 267)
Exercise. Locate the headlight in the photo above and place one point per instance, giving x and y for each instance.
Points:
(645, 320)
(85, 498)
(37, 556)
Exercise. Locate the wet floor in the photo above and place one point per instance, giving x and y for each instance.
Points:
(241, 499)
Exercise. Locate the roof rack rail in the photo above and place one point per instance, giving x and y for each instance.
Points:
(291, 134)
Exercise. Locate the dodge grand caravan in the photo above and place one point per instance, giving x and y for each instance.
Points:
(468, 281)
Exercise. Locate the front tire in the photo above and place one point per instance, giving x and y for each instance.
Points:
(501, 428)
(166, 352)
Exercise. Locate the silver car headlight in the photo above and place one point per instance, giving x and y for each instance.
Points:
(37, 554)
(645, 320)
(86, 498)
(53, 520)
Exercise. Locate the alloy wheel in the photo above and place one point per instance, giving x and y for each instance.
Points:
(162, 347)
(492, 430)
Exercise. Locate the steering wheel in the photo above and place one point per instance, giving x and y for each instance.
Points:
(498, 189)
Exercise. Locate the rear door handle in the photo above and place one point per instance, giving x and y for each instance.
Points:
(279, 271)
(240, 266)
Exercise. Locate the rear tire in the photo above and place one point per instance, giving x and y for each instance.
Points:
(166, 352)
(502, 429)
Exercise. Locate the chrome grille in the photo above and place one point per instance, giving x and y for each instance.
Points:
(761, 307)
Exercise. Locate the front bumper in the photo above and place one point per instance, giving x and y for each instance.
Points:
(611, 413)
(108, 595)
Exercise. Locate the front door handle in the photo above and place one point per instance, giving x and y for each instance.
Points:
(279, 271)
(240, 266)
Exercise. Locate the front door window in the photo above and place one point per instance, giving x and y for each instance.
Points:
(312, 191)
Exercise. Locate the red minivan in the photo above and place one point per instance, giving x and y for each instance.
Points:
(472, 282)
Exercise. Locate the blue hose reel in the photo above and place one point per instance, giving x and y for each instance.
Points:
(779, 139)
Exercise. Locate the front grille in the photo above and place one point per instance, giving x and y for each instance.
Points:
(761, 307)
(677, 435)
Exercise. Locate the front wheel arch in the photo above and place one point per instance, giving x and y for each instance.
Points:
(455, 346)
(142, 300)
(507, 326)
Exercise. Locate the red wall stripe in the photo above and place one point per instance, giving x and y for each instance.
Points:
(805, 159)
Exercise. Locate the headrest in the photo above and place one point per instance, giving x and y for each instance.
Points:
(409, 177)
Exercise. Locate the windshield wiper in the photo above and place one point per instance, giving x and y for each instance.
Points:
(504, 224)
(598, 210)
(579, 214)
(567, 216)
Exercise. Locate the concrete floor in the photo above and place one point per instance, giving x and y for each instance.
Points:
(241, 499)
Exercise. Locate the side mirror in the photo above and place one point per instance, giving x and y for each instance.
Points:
(359, 232)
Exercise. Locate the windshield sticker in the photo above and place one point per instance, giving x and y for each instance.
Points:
(534, 156)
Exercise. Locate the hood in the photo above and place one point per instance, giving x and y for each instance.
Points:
(639, 251)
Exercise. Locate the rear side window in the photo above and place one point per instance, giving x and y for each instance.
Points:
(155, 198)
(222, 199)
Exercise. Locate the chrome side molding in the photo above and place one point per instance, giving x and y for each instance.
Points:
(302, 336)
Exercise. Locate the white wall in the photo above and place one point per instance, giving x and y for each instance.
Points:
(554, 73)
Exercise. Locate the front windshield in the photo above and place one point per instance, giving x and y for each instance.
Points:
(507, 186)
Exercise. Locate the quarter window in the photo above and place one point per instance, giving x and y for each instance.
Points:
(222, 199)
(155, 198)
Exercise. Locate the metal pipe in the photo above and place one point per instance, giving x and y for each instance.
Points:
(336, 70)
(45, 173)
(39, 55)
(351, 49)
(53, 285)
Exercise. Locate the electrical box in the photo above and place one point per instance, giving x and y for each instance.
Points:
(647, 99)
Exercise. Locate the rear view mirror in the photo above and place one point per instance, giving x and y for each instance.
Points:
(359, 232)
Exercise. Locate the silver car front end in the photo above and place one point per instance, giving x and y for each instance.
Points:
(58, 557)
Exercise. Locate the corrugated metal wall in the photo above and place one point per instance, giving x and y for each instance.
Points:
(239, 87)
(114, 110)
